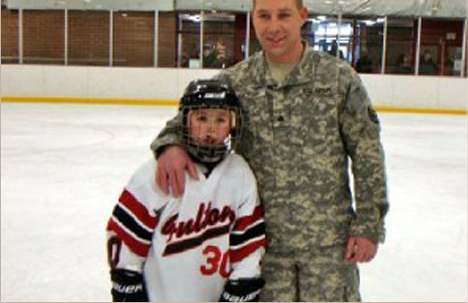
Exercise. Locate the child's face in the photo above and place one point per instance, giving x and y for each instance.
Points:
(209, 126)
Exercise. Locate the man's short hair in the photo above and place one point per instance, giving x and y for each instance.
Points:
(300, 4)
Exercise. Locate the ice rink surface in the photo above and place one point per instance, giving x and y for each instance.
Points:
(63, 168)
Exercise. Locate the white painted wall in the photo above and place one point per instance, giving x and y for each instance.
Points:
(96, 82)
(169, 84)
(425, 92)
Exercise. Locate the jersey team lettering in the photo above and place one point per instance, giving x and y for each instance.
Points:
(208, 219)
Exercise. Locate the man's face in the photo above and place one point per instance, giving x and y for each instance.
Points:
(278, 27)
(209, 126)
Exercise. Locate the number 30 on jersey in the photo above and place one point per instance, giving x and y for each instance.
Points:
(216, 262)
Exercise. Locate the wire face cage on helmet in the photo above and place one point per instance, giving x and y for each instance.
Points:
(211, 117)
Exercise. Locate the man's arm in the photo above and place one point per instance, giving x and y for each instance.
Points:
(360, 130)
(169, 135)
(173, 159)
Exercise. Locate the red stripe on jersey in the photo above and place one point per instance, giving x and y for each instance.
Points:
(244, 222)
(139, 210)
(240, 254)
(136, 246)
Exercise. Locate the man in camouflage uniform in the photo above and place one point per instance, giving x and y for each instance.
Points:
(307, 114)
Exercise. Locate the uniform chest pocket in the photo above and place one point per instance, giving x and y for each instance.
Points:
(317, 116)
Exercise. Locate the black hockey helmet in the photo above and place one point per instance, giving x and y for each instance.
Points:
(210, 94)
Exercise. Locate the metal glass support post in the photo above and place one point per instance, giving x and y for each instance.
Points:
(418, 47)
(464, 48)
(156, 37)
(179, 41)
(384, 46)
(202, 29)
(66, 36)
(247, 36)
(111, 37)
(20, 36)
(338, 35)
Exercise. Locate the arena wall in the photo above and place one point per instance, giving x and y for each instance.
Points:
(163, 86)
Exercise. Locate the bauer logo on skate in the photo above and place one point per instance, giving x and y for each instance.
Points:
(210, 222)
(127, 289)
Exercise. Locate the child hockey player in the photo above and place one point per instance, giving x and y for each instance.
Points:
(206, 245)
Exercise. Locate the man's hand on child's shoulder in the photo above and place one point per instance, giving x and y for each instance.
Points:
(172, 164)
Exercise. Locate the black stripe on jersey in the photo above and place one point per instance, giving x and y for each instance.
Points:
(178, 247)
(131, 223)
(251, 233)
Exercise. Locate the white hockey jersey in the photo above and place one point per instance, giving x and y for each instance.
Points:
(188, 247)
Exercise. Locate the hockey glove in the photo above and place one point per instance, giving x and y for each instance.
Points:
(242, 290)
(128, 286)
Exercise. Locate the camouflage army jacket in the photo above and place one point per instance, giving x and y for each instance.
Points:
(300, 137)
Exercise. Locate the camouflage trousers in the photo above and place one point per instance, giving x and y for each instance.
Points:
(321, 275)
